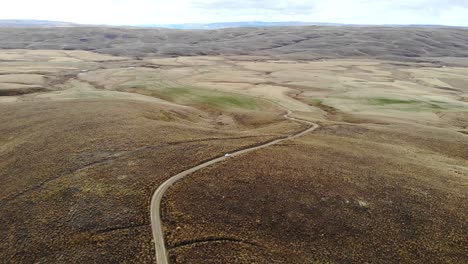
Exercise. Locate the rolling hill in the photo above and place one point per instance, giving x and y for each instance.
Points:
(308, 42)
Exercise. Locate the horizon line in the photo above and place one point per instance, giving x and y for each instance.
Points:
(311, 23)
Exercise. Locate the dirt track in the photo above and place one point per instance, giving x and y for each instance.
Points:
(155, 211)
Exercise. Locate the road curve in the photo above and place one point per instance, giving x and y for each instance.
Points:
(155, 210)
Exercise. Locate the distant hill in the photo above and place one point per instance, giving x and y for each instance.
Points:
(255, 24)
(23, 23)
(34, 23)
(260, 24)
(297, 42)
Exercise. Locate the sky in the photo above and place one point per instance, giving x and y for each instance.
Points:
(139, 12)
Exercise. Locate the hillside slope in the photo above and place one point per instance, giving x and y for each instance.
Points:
(287, 42)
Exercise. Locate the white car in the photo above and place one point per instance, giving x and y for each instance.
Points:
(227, 155)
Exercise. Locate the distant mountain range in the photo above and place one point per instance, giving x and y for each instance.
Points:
(34, 23)
(257, 24)
(47, 23)
(22, 23)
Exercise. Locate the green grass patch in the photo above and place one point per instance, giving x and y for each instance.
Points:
(189, 95)
(410, 105)
(222, 101)
(390, 101)
(177, 92)
(315, 101)
(206, 97)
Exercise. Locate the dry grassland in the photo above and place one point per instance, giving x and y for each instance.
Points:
(78, 164)
(85, 139)
(346, 194)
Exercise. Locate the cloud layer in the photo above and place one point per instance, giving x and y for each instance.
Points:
(119, 12)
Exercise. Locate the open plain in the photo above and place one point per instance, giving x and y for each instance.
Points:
(87, 137)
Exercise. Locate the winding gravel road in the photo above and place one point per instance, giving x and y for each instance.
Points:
(156, 224)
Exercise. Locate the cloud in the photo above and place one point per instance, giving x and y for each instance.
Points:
(119, 12)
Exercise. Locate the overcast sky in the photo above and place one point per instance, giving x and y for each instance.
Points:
(134, 12)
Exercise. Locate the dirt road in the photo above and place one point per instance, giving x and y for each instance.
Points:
(156, 224)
